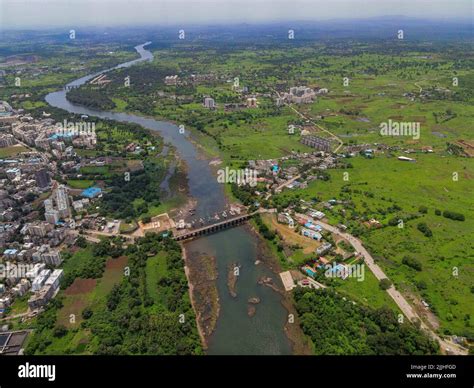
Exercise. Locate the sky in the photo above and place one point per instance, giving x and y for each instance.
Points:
(64, 13)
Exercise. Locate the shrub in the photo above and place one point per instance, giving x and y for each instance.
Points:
(423, 228)
(59, 331)
(87, 313)
(453, 215)
(412, 263)
(385, 284)
(423, 209)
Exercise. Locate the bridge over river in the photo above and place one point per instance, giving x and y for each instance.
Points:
(212, 228)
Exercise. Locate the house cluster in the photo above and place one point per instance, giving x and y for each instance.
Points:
(327, 259)
(202, 78)
(368, 150)
(21, 181)
(193, 79)
(20, 279)
(300, 95)
(249, 102)
(57, 139)
(297, 95)
(38, 216)
(325, 253)
(171, 80)
(29, 268)
(278, 174)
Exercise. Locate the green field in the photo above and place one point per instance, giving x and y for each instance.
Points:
(9, 152)
(79, 183)
(155, 271)
(377, 185)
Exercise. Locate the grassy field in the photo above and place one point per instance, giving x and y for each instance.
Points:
(79, 257)
(79, 183)
(376, 186)
(155, 270)
(365, 292)
(82, 294)
(9, 152)
(20, 305)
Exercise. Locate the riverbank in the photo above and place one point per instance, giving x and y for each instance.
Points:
(300, 343)
(201, 272)
(192, 299)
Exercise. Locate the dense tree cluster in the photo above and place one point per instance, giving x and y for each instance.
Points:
(263, 229)
(92, 267)
(143, 184)
(90, 98)
(337, 326)
(129, 326)
(132, 322)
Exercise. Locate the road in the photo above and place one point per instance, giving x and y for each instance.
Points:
(397, 297)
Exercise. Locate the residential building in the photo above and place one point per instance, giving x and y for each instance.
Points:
(311, 234)
(42, 178)
(251, 102)
(62, 201)
(316, 142)
(39, 281)
(171, 80)
(209, 103)
(285, 218)
(42, 297)
(323, 248)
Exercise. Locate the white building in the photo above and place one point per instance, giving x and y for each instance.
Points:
(311, 234)
(285, 218)
(171, 80)
(39, 281)
(35, 271)
(209, 103)
(52, 216)
(252, 102)
(48, 256)
(62, 200)
(54, 279)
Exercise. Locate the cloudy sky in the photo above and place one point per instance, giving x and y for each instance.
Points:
(58, 13)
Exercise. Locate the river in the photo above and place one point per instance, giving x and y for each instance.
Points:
(236, 332)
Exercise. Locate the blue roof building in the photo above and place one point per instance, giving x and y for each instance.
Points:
(91, 192)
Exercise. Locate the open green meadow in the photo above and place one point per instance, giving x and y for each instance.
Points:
(385, 188)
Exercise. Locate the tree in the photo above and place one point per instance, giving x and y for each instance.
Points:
(87, 313)
(423, 209)
(412, 263)
(59, 331)
(81, 242)
(385, 284)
